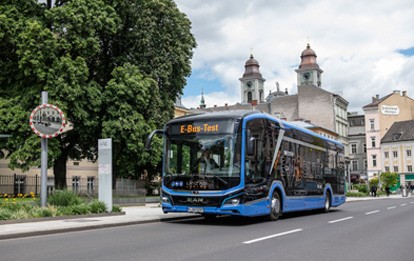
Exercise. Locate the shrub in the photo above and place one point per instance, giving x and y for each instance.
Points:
(116, 209)
(64, 198)
(97, 206)
(20, 214)
(356, 194)
(81, 209)
(361, 188)
(44, 212)
(5, 214)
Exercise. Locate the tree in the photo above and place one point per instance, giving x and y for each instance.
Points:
(389, 179)
(115, 67)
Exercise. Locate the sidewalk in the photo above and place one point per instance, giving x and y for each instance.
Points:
(132, 215)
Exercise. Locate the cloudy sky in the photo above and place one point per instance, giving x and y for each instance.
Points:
(364, 47)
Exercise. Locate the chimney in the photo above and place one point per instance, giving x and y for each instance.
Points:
(215, 105)
(397, 91)
(225, 104)
(377, 96)
(286, 91)
(404, 93)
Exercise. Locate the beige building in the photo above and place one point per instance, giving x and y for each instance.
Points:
(397, 147)
(380, 114)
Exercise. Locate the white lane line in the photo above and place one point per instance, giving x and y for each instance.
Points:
(372, 212)
(272, 236)
(412, 202)
(339, 220)
(404, 204)
(392, 207)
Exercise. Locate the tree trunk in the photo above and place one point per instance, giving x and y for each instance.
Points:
(59, 169)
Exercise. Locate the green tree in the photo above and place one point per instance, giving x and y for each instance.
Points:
(115, 67)
(389, 179)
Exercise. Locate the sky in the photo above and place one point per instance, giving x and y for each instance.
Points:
(364, 47)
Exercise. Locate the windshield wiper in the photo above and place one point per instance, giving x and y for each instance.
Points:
(217, 177)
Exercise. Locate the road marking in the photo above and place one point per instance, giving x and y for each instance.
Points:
(372, 212)
(412, 202)
(272, 236)
(339, 220)
(404, 204)
(392, 207)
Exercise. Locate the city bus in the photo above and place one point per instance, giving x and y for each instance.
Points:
(258, 165)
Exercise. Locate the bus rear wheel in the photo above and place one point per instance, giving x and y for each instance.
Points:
(327, 204)
(275, 207)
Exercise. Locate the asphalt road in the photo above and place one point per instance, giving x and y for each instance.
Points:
(361, 231)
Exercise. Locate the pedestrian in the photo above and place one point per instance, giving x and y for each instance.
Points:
(374, 191)
(387, 190)
(412, 189)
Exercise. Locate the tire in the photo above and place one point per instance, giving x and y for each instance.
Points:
(327, 203)
(275, 207)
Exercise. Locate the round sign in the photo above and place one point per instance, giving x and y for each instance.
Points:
(47, 121)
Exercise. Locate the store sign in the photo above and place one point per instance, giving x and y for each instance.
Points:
(390, 110)
(47, 121)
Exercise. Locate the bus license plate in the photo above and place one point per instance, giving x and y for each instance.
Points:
(195, 210)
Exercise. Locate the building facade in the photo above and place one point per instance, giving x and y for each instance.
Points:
(357, 147)
(397, 147)
(379, 115)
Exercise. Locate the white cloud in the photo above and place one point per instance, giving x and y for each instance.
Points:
(356, 43)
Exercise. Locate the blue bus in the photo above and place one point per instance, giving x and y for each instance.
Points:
(248, 163)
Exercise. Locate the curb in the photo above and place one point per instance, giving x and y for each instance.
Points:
(90, 227)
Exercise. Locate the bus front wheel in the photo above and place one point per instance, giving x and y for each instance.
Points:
(275, 207)
(327, 204)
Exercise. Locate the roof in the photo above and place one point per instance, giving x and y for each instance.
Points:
(375, 102)
(400, 131)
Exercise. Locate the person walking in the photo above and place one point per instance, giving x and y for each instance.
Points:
(387, 190)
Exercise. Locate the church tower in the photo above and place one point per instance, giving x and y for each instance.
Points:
(252, 83)
(309, 71)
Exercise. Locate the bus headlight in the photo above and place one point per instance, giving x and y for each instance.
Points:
(165, 199)
(232, 201)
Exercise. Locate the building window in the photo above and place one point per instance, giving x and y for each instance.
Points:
(374, 160)
(354, 165)
(75, 184)
(408, 153)
(395, 168)
(365, 164)
(373, 142)
(395, 154)
(365, 148)
(409, 168)
(90, 183)
(372, 124)
(387, 169)
(386, 154)
(353, 148)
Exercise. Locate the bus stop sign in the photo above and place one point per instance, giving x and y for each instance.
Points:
(47, 121)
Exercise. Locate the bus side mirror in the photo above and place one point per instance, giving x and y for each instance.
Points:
(149, 138)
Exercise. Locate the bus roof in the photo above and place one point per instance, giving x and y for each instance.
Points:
(240, 114)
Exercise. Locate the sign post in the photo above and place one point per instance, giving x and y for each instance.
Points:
(47, 121)
(105, 172)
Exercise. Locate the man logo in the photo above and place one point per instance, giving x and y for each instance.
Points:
(195, 200)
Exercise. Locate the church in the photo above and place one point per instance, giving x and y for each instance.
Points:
(311, 107)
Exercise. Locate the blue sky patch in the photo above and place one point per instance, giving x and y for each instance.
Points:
(198, 81)
(406, 52)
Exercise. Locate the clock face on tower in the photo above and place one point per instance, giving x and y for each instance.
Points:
(307, 77)
(249, 84)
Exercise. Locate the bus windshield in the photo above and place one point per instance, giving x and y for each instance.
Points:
(202, 156)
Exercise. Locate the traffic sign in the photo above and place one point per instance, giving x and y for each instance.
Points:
(47, 121)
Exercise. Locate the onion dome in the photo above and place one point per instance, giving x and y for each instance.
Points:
(308, 57)
(252, 68)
